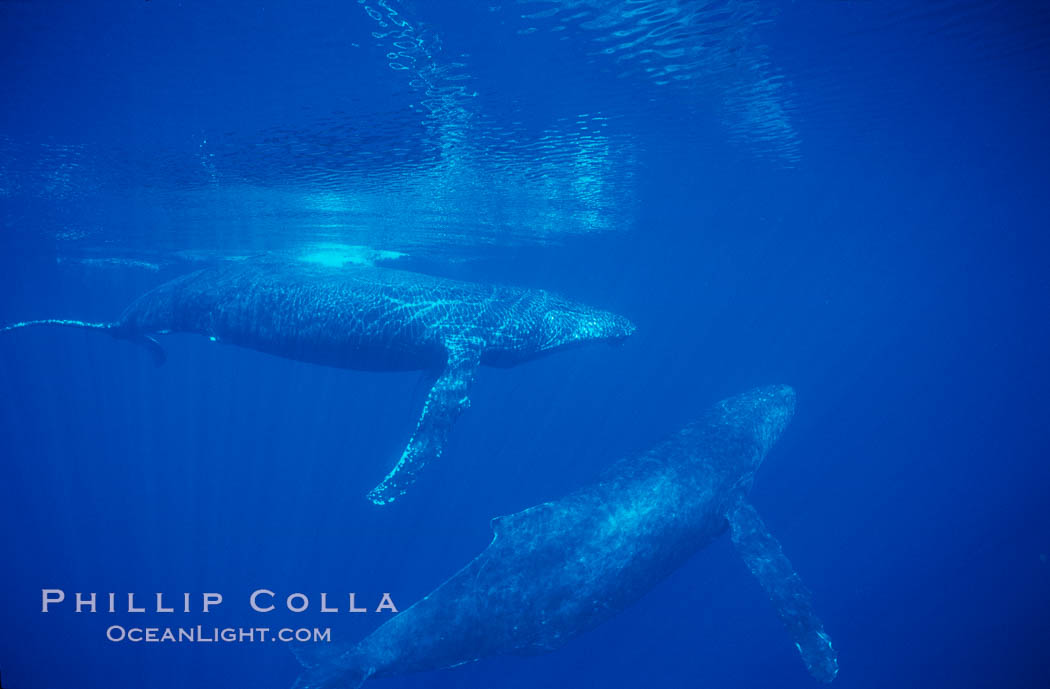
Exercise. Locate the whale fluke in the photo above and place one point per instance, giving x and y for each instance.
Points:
(114, 329)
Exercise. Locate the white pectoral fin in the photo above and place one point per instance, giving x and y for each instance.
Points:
(789, 595)
(445, 402)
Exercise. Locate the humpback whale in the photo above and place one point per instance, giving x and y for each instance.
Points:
(366, 318)
(558, 569)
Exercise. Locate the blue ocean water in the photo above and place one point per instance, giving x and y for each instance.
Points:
(848, 197)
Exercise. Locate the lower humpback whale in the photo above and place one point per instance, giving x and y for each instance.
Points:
(556, 570)
(366, 318)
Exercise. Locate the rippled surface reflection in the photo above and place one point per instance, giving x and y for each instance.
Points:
(423, 128)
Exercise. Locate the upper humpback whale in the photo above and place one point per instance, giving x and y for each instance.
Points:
(561, 568)
(366, 318)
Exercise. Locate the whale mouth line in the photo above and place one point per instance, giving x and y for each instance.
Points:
(615, 341)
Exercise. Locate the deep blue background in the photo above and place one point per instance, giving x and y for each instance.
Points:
(885, 254)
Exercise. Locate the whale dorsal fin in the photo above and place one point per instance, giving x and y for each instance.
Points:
(447, 399)
(790, 597)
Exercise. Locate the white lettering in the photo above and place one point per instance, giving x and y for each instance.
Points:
(298, 596)
(160, 604)
(386, 603)
(48, 596)
(132, 608)
(255, 598)
(211, 599)
(81, 602)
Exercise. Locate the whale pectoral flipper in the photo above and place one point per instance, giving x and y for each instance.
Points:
(790, 597)
(445, 402)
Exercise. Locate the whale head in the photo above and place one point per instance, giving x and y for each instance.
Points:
(762, 413)
(538, 322)
(748, 423)
(563, 324)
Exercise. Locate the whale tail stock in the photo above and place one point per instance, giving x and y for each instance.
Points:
(325, 667)
(151, 345)
(766, 560)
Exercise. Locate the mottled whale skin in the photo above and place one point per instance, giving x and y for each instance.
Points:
(558, 569)
(366, 318)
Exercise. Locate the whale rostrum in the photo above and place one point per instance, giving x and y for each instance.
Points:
(558, 569)
(366, 318)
